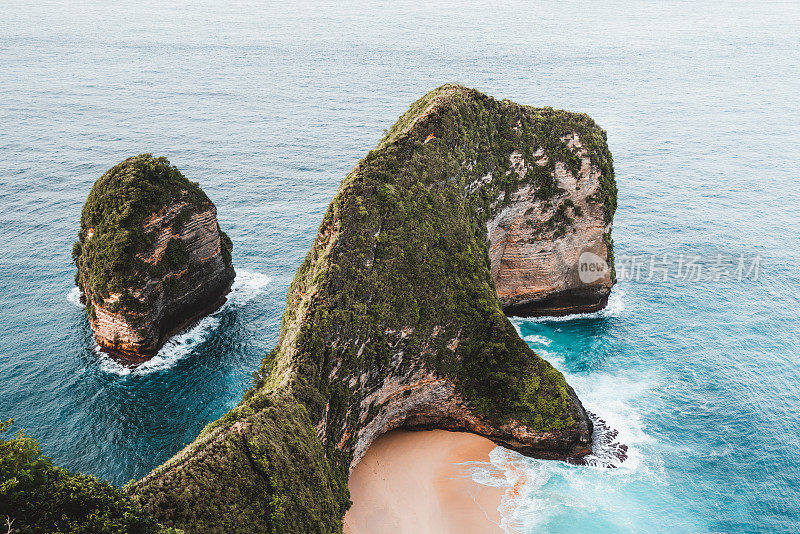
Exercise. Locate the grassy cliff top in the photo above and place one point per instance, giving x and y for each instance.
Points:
(135, 188)
(112, 233)
(403, 247)
(456, 108)
(398, 280)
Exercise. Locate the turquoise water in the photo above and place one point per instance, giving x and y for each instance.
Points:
(269, 107)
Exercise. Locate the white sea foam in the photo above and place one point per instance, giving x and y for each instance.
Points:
(245, 288)
(539, 340)
(614, 308)
(74, 297)
(612, 399)
(539, 490)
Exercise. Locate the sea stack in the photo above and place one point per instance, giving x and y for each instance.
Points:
(151, 256)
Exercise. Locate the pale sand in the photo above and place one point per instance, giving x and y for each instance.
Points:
(410, 482)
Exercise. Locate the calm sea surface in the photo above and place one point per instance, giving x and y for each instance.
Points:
(268, 107)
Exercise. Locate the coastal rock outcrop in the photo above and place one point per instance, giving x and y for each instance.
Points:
(558, 214)
(151, 256)
(394, 320)
(540, 239)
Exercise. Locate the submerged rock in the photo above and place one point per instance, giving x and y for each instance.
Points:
(151, 256)
(394, 320)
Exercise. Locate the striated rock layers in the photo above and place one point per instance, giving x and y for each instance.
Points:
(393, 319)
(560, 208)
(151, 256)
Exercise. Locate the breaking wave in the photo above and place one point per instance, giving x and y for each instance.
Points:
(246, 286)
(614, 308)
(538, 340)
(541, 495)
(74, 297)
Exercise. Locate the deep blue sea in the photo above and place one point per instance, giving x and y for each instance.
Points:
(269, 106)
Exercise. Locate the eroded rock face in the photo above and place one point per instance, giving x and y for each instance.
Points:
(422, 400)
(151, 256)
(537, 240)
(393, 320)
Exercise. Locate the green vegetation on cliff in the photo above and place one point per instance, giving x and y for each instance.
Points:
(398, 280)
(39, 497)
(275, 478)
(411, 253)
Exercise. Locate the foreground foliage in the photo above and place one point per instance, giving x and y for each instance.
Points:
(38, 497)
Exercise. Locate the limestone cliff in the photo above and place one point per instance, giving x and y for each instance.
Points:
(151, 256)
(558, 211)
(393, 321)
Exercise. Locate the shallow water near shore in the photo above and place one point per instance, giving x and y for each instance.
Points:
(270, 107)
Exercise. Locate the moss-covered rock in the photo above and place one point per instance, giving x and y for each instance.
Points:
(265, 473)
(151, 257)
(392, 320)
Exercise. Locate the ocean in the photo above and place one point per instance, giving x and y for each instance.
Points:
(695, 362)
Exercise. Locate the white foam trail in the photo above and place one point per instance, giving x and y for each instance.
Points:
(540, 340)
(611, 398)
(614, 308)
(74, 297)
(245, 288)
(539, 490)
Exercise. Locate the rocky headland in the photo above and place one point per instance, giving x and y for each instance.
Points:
(467, 207)
(151, 256)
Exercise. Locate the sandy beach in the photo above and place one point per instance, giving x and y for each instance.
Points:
(411, 482)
